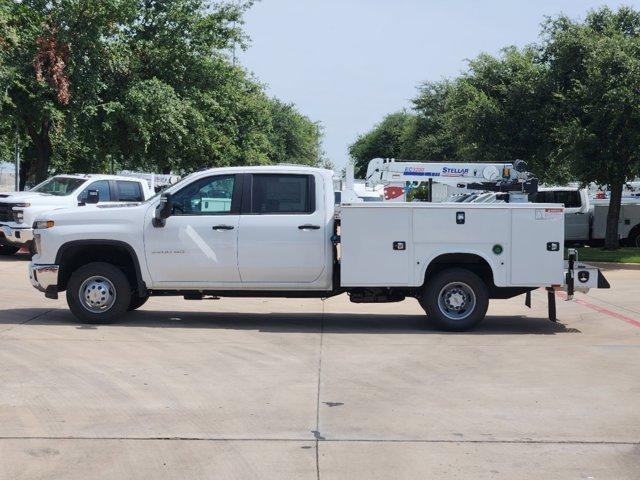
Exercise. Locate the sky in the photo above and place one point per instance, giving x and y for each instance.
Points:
(349, 63)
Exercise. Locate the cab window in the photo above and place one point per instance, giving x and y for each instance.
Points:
(129, 191)
(569, 198)
(207, 196)
(282, 193)
(102, 186)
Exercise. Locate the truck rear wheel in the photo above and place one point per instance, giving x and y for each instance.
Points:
(455, 299)
(98, 293)
(634, 237)
(8, 250)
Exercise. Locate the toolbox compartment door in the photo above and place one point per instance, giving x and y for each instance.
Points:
(376, 246)
(537, 246)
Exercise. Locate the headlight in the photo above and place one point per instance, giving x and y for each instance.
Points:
(18, 216)
(42, 224)
(22, 205)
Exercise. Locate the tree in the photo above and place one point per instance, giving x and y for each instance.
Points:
(294, 137)
(138, 84)
(8, 38)
(55, 59)
(595, 74)
(385, 140)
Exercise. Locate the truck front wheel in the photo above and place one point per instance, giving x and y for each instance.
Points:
(98, 293)
(455, 299)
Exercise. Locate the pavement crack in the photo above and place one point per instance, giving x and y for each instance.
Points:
(26, 321)
(321, 439)
(316, 432)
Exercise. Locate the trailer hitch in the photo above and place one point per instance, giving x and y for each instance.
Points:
(570, 278)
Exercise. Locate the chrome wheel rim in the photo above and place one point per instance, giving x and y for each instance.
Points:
(97, 294)
(456, 300)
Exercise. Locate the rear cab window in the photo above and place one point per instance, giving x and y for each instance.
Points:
(275, 193)
(569, 198)
(129, 191)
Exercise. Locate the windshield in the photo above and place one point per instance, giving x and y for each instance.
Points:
(59, 186)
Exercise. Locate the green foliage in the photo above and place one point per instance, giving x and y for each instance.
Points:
(138, 84)
(385, 140)
(418, 194)
(595, 73)
(295, 138)
(622, 255)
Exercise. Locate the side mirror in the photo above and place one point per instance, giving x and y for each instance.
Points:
(163, 210)
(93, 197)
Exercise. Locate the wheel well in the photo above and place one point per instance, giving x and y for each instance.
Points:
(634, 231)
(470, 261)
(75, 256)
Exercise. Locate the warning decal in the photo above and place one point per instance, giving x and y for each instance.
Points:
(549, 213)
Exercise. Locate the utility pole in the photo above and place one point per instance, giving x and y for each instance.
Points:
(17, 160)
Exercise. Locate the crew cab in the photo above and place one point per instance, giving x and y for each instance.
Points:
(272, 231)
(18, 210)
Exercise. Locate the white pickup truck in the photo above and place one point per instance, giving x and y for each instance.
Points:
(586, 219)
(18, 210)
(271, 231)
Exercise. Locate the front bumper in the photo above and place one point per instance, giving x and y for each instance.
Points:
(15, 235)
(45, 279)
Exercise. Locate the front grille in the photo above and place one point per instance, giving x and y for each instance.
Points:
(6, 212)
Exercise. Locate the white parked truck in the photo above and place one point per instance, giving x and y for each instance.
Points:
(586, 219)
(272, 231)
(18, 210)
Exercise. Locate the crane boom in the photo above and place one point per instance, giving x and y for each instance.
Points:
(497, 177)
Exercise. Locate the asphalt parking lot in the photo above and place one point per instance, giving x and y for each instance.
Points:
(308, 389)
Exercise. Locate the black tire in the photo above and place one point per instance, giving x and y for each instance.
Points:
(119, 287)
(7, 250)
(468, 288)
(136, 302)
(633, 240)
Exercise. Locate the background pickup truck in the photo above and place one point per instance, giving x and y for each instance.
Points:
(272, 231)
(19, 209)
(586, 219)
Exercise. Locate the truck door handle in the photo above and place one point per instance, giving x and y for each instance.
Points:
(222, 227)
(308, 227)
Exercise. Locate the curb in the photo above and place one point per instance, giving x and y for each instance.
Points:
(613, 265)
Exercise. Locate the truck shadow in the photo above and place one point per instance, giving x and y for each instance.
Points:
(21, 256)
(276, 322)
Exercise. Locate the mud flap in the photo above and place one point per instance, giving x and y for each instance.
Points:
(551, 300)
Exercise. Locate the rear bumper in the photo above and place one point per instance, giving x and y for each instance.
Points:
(584, 277)
(17, 236)
(45, 279)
